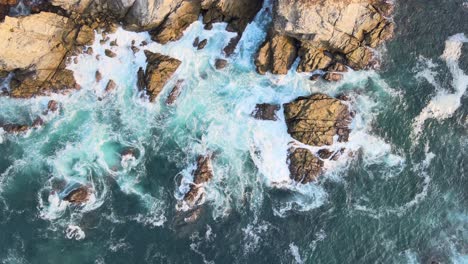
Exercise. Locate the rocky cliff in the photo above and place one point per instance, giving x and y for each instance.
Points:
(324, 32)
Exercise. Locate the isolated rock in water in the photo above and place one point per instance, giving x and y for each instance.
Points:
(266, 111)
(52, 106)
(220, 64)
(111, 85)
(141, 82)
(159, 70)
(109, 53)
(323, 28)
(315, 120)
(202, 174)
(202, 44)
(38, 122)
(35, 48)
(304, 166)
(237, 13)
(276, 54)
(78, 196)
(175, 93)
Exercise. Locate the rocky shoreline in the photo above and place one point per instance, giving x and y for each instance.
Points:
(327, 36)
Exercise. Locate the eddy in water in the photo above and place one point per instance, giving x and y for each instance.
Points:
(230, 131)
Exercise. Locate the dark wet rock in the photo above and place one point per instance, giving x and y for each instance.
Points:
(266, 111)
(231, 46)
(276, 54)
(78, 196)
(14, 128)
(113, 43)
(52, 106)
(135, 49)
(141, 82)
(175, 93)
(98, 76)
(315, 77)
(325, 153)
(304, 166)
(316, 119)
(109, 53)
(38, 122)
(90, 51)
(220, 64)
(159, 70)
(196, 41)
(202, 174)
(202, 44)
(111, 85)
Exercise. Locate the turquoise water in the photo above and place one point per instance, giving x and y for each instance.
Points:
(399, 197)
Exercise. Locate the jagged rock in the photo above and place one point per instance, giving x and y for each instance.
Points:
(159, 70)
(231, 46)
(141, 82)
(304, 167)
(202, 44)
(78, 196)
(276, 54)
(111, 85)
(14, 128)
(315, 120)
(334, 73)
(109, 53)
(202, 174)
(266, 111)
(35, 47)
(38, 122)
(175, 93)
(196, 41)
(173, 26)
(237, 13)
(220, 64)
(135, 49)
(323, 28)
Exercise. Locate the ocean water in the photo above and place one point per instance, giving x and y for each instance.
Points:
(398, 195)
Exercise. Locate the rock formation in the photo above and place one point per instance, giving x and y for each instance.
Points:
(35, 48)
(323, 32)
(159, 70)
(175, 93)
(315, 121)
(78, 196)
(266, 112)
(202, 174)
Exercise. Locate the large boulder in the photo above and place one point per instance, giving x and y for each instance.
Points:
(276, 54)
(159, 70)
(325, 28)
(35, 48)
(315, 121)
(201, 175)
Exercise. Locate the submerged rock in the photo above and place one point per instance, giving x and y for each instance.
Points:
(175, 93)
(159, 70)
(315, 121)
(78, 196)
(266, 111)
(220, 64)
(323, 29)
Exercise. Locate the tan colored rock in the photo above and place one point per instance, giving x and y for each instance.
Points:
(315, 120)
(78, 196)
(173, 26)
(159, 70)
(36, 47)
(323, 28)
(202, 174)
(304, 167)
(276, 55)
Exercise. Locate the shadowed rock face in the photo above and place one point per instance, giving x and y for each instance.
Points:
(315, 121)
(266, 112)
(324, 29)
(159, 70)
